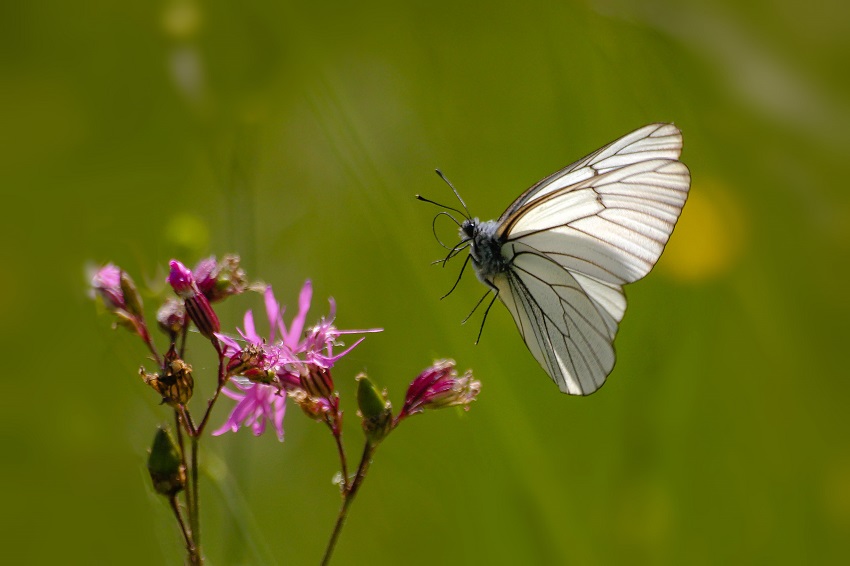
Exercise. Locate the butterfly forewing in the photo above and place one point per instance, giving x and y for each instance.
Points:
(625, 216)
(655, 141)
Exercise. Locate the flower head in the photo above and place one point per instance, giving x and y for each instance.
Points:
(439, 386)
(289, 361)
(218, 280)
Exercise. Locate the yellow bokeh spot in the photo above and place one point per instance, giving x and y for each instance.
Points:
(188, 232)
(709, 237)
(181, 19)
(836, 494)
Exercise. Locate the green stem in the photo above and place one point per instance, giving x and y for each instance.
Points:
(193, 489)
(222, 379)
(194, 513)
(348, 497)
(194, 555)
(343, 461)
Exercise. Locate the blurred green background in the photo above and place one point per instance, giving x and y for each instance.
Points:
(296, 135)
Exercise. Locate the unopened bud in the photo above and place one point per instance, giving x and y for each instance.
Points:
(171, 316)
(375, 410)
(197, 305)
(120, 296)
(165, 465)
(132, 298)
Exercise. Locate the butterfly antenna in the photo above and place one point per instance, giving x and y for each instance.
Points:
(459, 275)
(454, 190)
(434, 226)
(423, 199)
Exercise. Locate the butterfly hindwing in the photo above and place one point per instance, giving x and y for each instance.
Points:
(567, 320)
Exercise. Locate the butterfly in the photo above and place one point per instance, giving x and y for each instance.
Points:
(558, 257)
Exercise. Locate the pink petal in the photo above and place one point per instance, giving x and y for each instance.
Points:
(272, 311)
(250, 330)
(297, 327)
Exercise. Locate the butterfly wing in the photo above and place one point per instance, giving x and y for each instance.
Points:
(654, 141)
(573, 240)
(568, 321)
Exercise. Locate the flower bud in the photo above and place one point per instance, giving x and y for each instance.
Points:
(196, 303)
(165, 465)
(439, 386)
(107, 284)
(132, 298)
(317, 382)
(120, 296)
(171, 316)
(375, 410)
(318, 409)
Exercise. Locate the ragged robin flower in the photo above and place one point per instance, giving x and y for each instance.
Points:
(282, 361)
(218, 280)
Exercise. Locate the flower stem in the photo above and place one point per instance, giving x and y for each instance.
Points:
(348, 497)
(342, 461)
(146, 337)
(191, 548)
(194, 513)
(183, 334)
(190, 498)
(222, 379)
(193, 489)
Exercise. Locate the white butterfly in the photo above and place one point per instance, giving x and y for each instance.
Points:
(560, 254)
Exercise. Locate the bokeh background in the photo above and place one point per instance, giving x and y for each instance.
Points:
(296, 135)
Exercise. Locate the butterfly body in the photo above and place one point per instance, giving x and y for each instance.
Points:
(558, 257)
(485, 249)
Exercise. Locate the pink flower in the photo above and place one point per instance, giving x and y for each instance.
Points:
(281, 363)
(218, 280)
(256, 405)
(439, 386)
